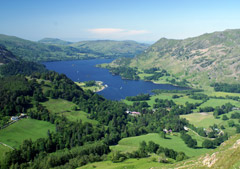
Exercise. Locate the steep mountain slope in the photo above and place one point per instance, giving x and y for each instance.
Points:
(6, 56)
(55, 49)
(213, 57)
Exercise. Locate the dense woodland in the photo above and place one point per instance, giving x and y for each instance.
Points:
(224, 87)
(125, 72)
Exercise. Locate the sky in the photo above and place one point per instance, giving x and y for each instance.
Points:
(139, 20)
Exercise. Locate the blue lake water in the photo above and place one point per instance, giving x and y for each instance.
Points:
(85, 70)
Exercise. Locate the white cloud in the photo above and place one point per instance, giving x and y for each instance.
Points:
(117, 31)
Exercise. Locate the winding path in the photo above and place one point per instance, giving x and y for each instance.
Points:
(7, 146)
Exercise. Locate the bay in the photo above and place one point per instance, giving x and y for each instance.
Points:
(118, 88)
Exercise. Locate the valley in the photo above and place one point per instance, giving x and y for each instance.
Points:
(147, 116)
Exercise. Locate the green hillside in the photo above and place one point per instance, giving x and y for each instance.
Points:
(112, 48)
(208, 58)
(6, 56)
(50, 49)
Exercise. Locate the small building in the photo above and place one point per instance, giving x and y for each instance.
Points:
(22, 115)
(135, 113)
(14, 118)
(185, 128)
(128, 112)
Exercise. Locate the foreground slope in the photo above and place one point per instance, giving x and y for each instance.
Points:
(226, 156)
(204, 59)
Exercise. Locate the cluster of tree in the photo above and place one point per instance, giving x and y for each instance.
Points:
(140, 97)
(235, 115)
(66, 158)
(151, 70)
(125, 72)
(233, 97)
(143, 151)
(187, 109)
(90, 83)
(206, 109)
(157, 75)
(183, 83)
(199, 130)
(213, 143)
(186, 91)
(163, 103)
(189, 141)
(224, 87)
(21, 67)
(199, 96)
(16, 93)
(222, 109)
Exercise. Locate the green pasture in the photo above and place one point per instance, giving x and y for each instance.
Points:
(173, 142)
(64, 107)
(14, 134)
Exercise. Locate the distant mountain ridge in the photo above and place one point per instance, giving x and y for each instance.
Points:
(54, 41)
(212, 57)
(52, 49)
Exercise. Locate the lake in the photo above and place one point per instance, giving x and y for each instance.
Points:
(85, 70)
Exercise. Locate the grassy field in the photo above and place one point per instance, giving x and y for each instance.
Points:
(24, 129)
(64, 107)
(174, 142)
(219, 102)
(142, 163)
(201, 119)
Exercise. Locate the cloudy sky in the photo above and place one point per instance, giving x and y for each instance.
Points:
(140, 20)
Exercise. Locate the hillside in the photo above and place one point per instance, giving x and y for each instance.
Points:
(55, 49)
(6, 56)
(54, 41)
(225, 156)
(212, 57)
(113, 48)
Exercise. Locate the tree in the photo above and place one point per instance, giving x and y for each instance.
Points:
(162, 134)
(207, 144)
(224, 117)
(152, 147)
(231, 123)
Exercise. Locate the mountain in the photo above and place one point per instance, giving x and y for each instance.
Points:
(54, 41)
(55, 49)
(113, 48)
(6, 56)
(213, 57)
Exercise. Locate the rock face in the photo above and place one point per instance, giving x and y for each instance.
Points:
(213, 57)
(6, 56)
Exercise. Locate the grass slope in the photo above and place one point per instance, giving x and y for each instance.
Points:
(174, 142)
(24, 129)
(202, 119)
(64, 107)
